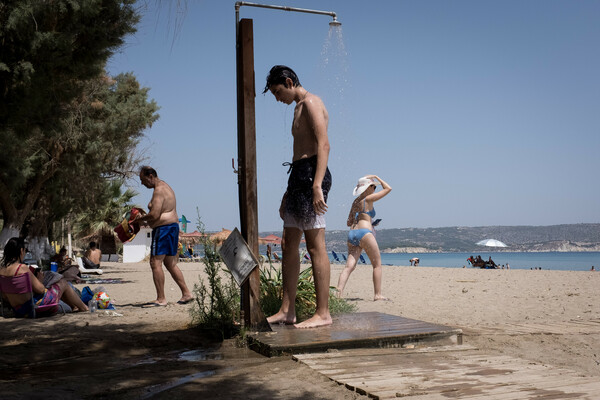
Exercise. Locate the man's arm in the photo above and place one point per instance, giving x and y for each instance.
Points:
(318, 125)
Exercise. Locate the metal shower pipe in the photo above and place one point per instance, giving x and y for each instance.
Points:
(239, 4)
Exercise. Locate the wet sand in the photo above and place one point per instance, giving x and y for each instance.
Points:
(550, 317)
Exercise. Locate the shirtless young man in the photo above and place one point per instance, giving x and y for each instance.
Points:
(91, 258)
(162, 218)
(304, 203)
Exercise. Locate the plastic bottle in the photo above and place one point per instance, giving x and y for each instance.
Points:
(99, 289)
(92, 305)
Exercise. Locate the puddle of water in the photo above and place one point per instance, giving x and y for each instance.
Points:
(154, 390)
(199, 355)
(145, 361)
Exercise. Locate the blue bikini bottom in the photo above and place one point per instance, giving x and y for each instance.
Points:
(355, 235)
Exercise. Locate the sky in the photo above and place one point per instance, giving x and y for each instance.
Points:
(475, 112)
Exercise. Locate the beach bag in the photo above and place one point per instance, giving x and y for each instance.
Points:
(127, 229)
(86, 294)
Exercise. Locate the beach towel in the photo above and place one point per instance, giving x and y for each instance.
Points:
(128, 228)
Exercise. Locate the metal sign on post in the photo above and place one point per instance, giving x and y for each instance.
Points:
(237, 256)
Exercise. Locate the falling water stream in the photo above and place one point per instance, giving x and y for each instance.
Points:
(335, 89)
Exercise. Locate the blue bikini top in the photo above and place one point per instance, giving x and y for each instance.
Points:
(369, 213)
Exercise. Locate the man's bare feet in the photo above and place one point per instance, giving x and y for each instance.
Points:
(185, 300)
(380, 297)
(314, 322)
(281, 318)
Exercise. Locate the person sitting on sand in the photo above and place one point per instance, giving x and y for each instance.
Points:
(65, 266)
(11, 265)
(61, 260)
(361, 235)
(91, 258)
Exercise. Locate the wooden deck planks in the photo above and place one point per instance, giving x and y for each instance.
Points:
(367, 330)
(554, 328)
(443, 373)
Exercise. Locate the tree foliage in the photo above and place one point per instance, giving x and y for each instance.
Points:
(65, 126)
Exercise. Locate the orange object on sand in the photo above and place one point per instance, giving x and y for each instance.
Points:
(128, 228)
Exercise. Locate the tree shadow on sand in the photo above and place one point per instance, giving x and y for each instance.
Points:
(74, 359)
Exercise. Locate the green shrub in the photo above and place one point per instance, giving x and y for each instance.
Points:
(216, 306)
(271, 290)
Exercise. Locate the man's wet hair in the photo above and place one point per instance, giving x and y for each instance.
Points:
(147, 171)
(92, 245)
(278, 74)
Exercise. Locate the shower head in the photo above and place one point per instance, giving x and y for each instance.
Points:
(335, 22)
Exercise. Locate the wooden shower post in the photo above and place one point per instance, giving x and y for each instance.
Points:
(248, 202)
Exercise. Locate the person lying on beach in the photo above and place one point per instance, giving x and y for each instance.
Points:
(361, 235)
(11, 265)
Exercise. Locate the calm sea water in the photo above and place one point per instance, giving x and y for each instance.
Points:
(553, 260)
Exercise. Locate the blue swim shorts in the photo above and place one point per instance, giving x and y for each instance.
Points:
(165, 239)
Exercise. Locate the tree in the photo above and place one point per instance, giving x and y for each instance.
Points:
(100, 221)
(52, 56)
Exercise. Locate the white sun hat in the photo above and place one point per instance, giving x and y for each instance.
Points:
(362, 185)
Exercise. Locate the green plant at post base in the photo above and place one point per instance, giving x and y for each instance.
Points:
(217, 304)
(271, 293)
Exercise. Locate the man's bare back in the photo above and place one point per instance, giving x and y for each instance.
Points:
(93, 255)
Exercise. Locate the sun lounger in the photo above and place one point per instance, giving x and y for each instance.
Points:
(86, 270)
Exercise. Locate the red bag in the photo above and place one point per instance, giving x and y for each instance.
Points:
(128, 228)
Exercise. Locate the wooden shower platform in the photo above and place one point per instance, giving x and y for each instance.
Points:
(355, 330)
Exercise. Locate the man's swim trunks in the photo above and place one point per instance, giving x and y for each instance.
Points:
(299, 198)
(165, 239)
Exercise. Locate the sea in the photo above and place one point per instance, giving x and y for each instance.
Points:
(560, 261)
(564, 261)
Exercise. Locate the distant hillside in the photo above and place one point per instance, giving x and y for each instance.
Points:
(573, 237)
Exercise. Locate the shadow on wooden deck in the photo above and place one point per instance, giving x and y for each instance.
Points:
(355, 330)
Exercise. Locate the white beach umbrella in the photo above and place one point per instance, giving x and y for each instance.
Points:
(491, 243)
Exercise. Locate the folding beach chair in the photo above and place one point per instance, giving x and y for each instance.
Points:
(21, 284)
(335, 257)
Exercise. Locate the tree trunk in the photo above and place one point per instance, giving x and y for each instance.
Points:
(107, 243)
(9, 230)
(40, 248)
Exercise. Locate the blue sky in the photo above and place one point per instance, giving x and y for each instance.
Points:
(475, 112)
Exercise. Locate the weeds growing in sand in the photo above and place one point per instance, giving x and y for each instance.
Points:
(217, 305)
(271, 289)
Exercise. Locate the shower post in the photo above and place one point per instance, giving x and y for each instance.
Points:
(248, 204)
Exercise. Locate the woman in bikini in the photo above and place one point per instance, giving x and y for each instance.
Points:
(11, 265)
(361, 235)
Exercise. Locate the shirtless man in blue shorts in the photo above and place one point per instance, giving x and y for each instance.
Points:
(304, 203)
(162, 218)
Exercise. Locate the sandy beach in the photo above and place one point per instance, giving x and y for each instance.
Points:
(549, 317)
